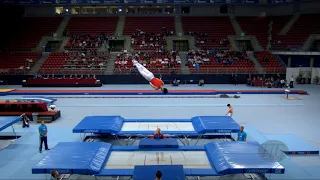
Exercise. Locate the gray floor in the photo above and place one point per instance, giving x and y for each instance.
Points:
(270, 114)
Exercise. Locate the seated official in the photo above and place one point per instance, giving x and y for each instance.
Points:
(25, 120)
(158, 175)
(201, 82)
(158, 134)
(175, 83)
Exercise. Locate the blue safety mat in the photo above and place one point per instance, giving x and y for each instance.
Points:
(240, 157)
(6, 121)
(215, 124)
(99, 124)
(113, 124)
(158, 143)
(74, 158)
(296, 145)
(169, 172)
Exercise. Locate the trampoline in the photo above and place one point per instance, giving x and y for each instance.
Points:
(103, 159)
(7, 121)
(196, 127)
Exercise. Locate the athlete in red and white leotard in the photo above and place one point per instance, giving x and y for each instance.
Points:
(156, 83)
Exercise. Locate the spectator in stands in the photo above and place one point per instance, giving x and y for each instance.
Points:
(158, 134)
(201, 82)
(230, 110)
(158, 175)
(242, 136)
(43, 132)
(25, 120)
(55, 175)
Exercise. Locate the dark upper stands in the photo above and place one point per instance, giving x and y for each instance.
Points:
(32, 30)
(279, 23)
(256, 26)
(92, 25)
(299, 32)
(210, 32)
(148, 24)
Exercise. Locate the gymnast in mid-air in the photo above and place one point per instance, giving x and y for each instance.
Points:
(155, 83)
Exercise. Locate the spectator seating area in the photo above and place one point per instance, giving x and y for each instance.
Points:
(269, 62)
(32, 29)
(156, 62)
(256, 26)
(90, 62)
(92, 25)
(62, 82)
(210, 32)
(148, 33)
(86, 41)
(18, 108)
(299, 32)
(17, 62)
(219, 61)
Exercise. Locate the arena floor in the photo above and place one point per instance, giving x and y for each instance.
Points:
(269, 114)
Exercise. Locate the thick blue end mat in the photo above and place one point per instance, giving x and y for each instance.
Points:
(74, 158)
(240, 157)
(99, 124)
(158, 143)
(215, 124)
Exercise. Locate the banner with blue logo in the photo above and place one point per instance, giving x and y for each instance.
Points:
(26, 2)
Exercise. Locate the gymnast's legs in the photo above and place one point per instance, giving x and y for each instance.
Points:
(143, 71)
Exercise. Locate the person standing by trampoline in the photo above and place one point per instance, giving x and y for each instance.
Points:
(155, 83)
(43, 131)
(230, 110)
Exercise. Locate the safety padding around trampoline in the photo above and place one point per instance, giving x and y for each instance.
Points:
(74, 158)
(215, 124)
(99, 124)
(240, 157)
(114, 124)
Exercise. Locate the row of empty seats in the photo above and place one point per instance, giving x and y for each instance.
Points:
(18, 60)
(216, 29)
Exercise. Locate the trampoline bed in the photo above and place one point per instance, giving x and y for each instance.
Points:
(103, 159)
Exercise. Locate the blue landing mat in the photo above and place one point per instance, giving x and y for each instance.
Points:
(7, 121)
(296, 145)
(74, 158)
